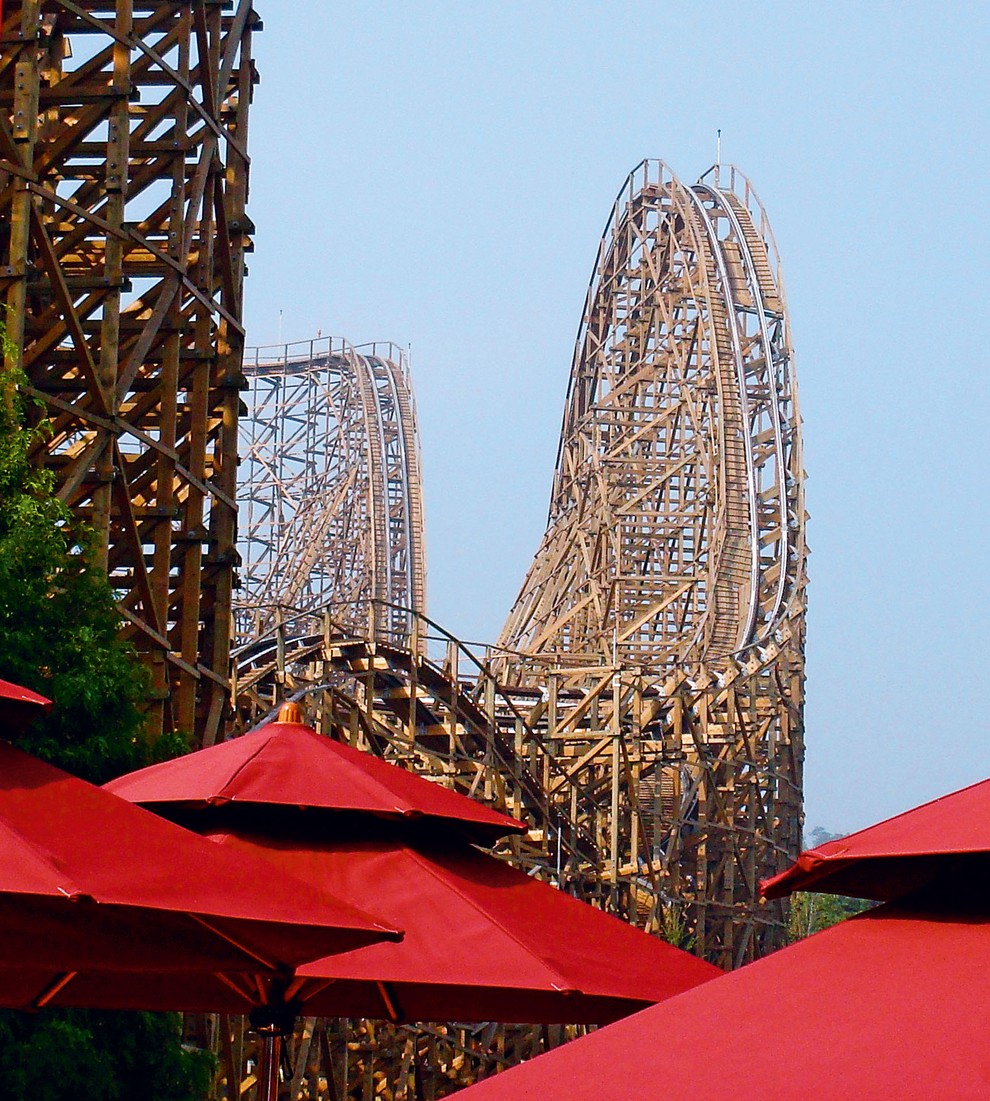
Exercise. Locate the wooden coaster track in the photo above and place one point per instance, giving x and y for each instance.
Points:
(123, 183)
(331, 494)
(643, 706)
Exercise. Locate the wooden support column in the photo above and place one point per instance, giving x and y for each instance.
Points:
(127, 172)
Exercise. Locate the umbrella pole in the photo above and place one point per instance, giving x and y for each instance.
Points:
(272, 1023)
(268, 1063)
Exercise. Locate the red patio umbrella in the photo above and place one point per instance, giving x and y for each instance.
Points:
(511, 948)
(945, 841)
(485, 941)
(888, 1005)
(288, 765)
(91, 885)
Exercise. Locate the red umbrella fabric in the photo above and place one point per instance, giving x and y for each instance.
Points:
(945, 840)
(888, 1005)
(91, 884)
(483, 941)
(20, 706)
(290, 765)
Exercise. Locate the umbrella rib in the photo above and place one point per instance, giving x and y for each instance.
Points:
(237, 771)
(569, 986)
(244, 992)
(236, 943)
(391, 1005)
(259, 986)
(313, 987)
(370, 786)
(44, 855)
(60, 982)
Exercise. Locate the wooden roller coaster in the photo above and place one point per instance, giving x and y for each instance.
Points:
(643, 706)
(331, 498)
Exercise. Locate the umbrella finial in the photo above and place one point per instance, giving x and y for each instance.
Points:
(290, 712)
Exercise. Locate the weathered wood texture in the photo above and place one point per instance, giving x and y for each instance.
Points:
(351, 1060)
(123, 181)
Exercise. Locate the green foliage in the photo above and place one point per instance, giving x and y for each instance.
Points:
(674, 927)
(59, 635)
(70, 1055)
(58, 621)
(810, 912)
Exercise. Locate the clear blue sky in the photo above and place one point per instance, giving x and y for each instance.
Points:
(438, 174)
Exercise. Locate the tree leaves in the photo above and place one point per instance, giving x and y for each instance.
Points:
(59, 623)
(59, 629)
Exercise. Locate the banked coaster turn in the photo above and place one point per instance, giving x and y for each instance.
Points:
(643, 706)
(331, 492)
(666, 601)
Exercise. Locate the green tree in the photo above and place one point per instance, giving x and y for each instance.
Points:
(59, 634)
(84, 1055)
(811, 912)
(58, 620)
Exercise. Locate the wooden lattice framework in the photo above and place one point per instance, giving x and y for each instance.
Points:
(676, 520)
(663, 616)
(330, 486)
(123, 182)
(644, 705)
(331, 1058)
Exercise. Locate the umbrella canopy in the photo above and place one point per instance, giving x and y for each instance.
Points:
(289, 765)
(483, 940)
(890, 1004)
(20, 706)
(93, 886)
(944, 841)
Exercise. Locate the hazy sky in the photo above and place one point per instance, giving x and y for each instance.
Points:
(439, 174)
